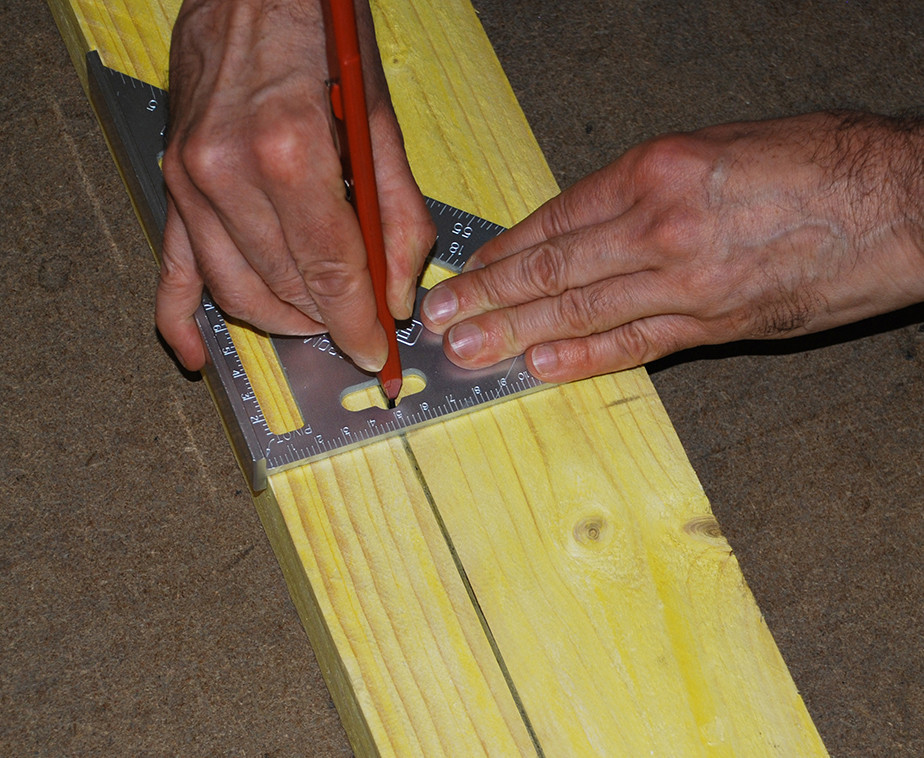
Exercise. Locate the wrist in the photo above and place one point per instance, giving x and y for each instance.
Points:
(910, 165)
(877, 167)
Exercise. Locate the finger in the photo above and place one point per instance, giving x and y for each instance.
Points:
(409, 236)
(303, 239)
(547, 269)
(633, 344)
(234, 285)
(330, 257)
(238, 182)
(179, 293)
(406, 223)
(598, 197)
(282, 214)
(493, 336)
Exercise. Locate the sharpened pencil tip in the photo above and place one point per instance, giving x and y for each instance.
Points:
(392, 389)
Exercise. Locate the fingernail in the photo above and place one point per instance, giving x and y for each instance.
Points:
(545, 359)
(440, 305)
(367, 363)
(466, 340)
(472, 264)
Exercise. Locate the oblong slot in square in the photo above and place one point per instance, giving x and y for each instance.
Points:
(369, 394)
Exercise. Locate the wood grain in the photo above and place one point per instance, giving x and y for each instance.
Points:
(541, 577)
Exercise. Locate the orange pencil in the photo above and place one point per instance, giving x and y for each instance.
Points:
(348, 101)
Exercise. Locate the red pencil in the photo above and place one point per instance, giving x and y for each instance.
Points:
(348, 100)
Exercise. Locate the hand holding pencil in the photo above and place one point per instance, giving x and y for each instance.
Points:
(257, 210)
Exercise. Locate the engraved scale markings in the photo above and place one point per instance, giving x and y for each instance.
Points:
(133, 115)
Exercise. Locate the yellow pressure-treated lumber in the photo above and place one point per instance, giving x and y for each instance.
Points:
(544, 576)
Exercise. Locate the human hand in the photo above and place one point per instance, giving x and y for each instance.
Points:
(256, 202)
(742, 231)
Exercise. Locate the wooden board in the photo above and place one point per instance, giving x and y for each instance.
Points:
(544, 577)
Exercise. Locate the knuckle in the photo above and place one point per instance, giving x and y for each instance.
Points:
(676, 229)
(172, 273)
(288, 148)
(664, 157)
(287, 284)
(480, 290)
(408, 244)
(674, 165)
(634, 342)
(543, 270)
(279, 149)
(329, 281)
(172, 164)
(236, 303)
(578, 310)
(206, 161)
(558, 215)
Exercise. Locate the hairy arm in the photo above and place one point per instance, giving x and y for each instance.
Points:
(740, 231)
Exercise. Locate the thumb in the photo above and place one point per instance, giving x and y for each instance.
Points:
(179, 294)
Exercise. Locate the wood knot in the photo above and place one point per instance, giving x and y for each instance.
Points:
(704, 527)
(592, 531)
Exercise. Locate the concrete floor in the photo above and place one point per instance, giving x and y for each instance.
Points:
(142, 611)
